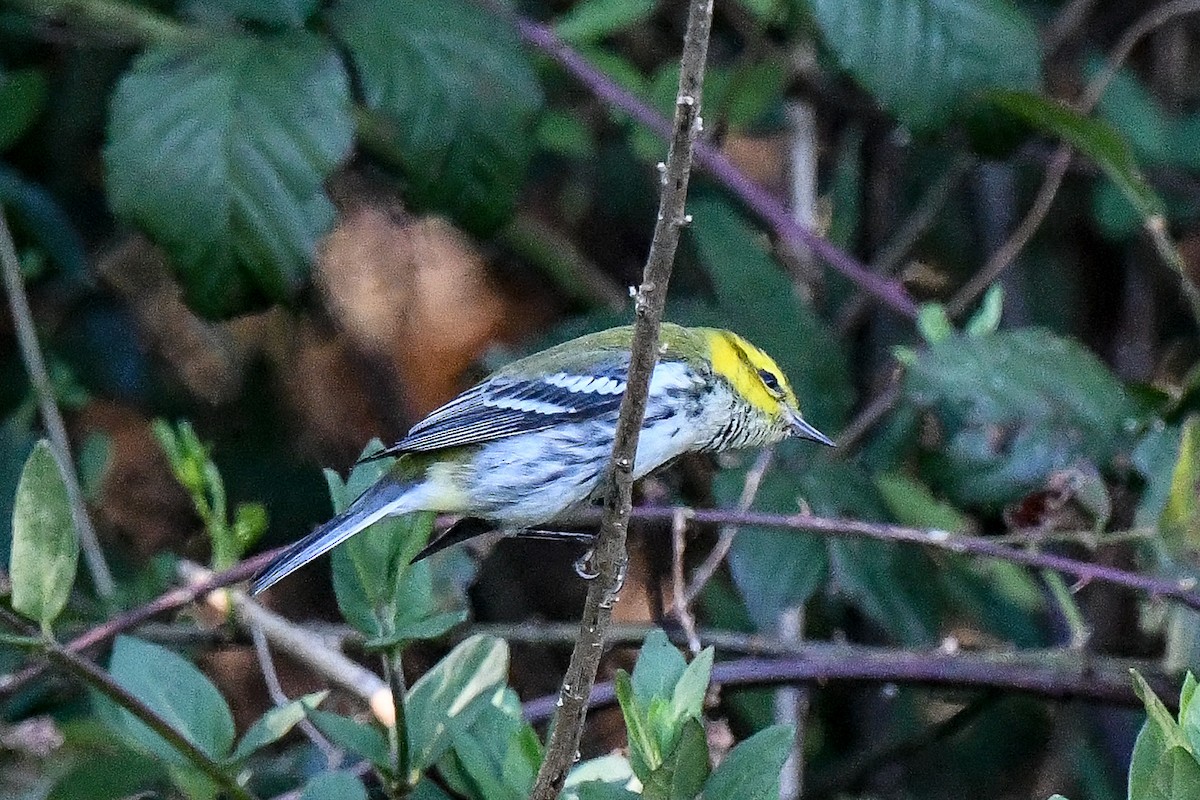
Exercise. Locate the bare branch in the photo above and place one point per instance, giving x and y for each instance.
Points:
(609, 555)
(39, 376)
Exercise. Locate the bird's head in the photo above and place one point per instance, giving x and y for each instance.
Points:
(757, 379)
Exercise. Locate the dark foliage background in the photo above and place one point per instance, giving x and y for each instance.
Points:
(299, 225)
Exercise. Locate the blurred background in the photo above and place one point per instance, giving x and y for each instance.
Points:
(300, 225)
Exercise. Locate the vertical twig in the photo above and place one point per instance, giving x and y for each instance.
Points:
(39, 376)
(266, 665)
(610, 557)
(679, 601)
(393, 671)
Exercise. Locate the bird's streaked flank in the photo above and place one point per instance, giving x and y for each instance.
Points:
(529, 445)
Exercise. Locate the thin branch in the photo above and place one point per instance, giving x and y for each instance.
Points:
(761, 202)
(1182, 590)
(712, 562)
(266, 665)
(169, 601)
(1057, 167)
(397, 784)
(610, 557)
(1051, 674)
(312, 650)
(91, 675)
(679, 601)
(39, 376)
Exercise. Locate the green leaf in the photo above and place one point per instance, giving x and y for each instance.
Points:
(602, 778)
(275, 724)
(1158, 716)
(1093, 137)
(278, 13)
(659, 667)
(451, 694)
(687, 767)
(987, 319)
(45, 548)
(922, 59)
(1131, 109)
(644, 754)
(1180, 519)
(687, 700)
(334, 786)
(219, 150)
(455, 97)
(1013, 408)
(592, 20)
(751, 770)
(773, 570)
(934, 323)
(1189, 713)
(375, 585)
(497, 756)
(360, 738)
(174, 689)
(22, 96)
(911, 503)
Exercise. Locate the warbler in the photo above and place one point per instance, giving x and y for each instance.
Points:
(530, 444)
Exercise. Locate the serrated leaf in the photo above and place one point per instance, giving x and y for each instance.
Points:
(334, 786)
(1094, 138)
(219, 149)
(456, 100)
(1013, 408)
(275, 724)
(592, 20)
(922, 59)
(751, 770)
(360, 738)
(45, 546)
(451, 694)
(174, 689)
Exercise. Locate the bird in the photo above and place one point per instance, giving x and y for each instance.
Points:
(530, 444)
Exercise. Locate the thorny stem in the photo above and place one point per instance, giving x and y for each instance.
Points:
(56, 429)
(610, 558)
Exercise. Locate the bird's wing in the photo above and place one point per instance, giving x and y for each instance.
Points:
(509, 404)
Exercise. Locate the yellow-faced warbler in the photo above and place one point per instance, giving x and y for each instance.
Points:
(530, 444)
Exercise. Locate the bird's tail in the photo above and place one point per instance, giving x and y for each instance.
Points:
(383, 499)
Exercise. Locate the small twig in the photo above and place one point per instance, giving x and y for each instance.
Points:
(170, 601)
(893, 251)
(266, 665)
(39, 376)
(680, 605)
(90, 674)
(304, 646)
(609, 558)
(1051, 674)
(1181, 591)
(1058, 164)
(712, 562)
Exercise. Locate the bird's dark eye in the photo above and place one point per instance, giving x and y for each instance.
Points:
(770, 381)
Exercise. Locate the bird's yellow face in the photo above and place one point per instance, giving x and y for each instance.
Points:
(755, 376)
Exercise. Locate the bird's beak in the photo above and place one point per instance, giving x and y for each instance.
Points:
(804, 430)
